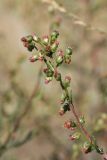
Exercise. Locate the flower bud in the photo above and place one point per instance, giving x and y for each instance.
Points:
(99, 150)
(36, 39)
(75, 136)
(87, 147)
(23, 39)
(30, 46)
(66, 106)
(48, 79)
(70, 124)
(67, 81)
(67, 59)
(82, 120)
(61, 111)
(58, 76)
(60, 57)
(54, 36)
(54, 46)
(33, 58)
(45, 40)
(68, 51)
(29, 38)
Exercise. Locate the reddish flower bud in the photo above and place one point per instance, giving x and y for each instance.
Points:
(45, 70)
(40, 58)
(87, 147)
(45, 40)
(48, 79)
(75, 136)
(23, 39)
(69, 124)
(61, 111)
(33, 58)
(54, 46)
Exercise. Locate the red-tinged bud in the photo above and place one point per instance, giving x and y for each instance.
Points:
(26, 44)
(48, 79)
(67, 124)
(36, 39)
(67, 81)
(58, 76)
(61, 111)
(60, 53)
(70, 125)
(67, 59)
(67, 78)
(33, 58)
(54, 36)
(75, 136)
(71, 138)
(45, 70)
(45, 40)
(60, 58)
(40, 58)
(54, 46)
(87, 147)
(23, 39)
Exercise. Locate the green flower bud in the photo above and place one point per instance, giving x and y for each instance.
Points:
(66, 107)
(87, 147)
(48, 79)
(33, 58)
(82, 120)
(99, 150)
(45, 40)
(54, 46)
(54, 36)
(67, 58)
(67, 81)
(31, 46)
(36, 39)
(75, 136)
(29, 38)
(57, 76)
(68, 51)
(59, 60)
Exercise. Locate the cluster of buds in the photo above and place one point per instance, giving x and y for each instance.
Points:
(47, 52)
(28, 42)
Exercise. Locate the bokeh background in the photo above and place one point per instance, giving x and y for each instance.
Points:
(86, 33)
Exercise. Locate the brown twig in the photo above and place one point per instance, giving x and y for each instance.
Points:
(27, 107)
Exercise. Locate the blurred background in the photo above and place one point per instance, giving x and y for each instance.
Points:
(26, 100)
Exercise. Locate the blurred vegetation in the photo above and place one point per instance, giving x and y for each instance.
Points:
(25, 101)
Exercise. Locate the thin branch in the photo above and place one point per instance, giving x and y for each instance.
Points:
(27, 107)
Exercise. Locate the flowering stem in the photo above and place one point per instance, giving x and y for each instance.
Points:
(72, 107)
